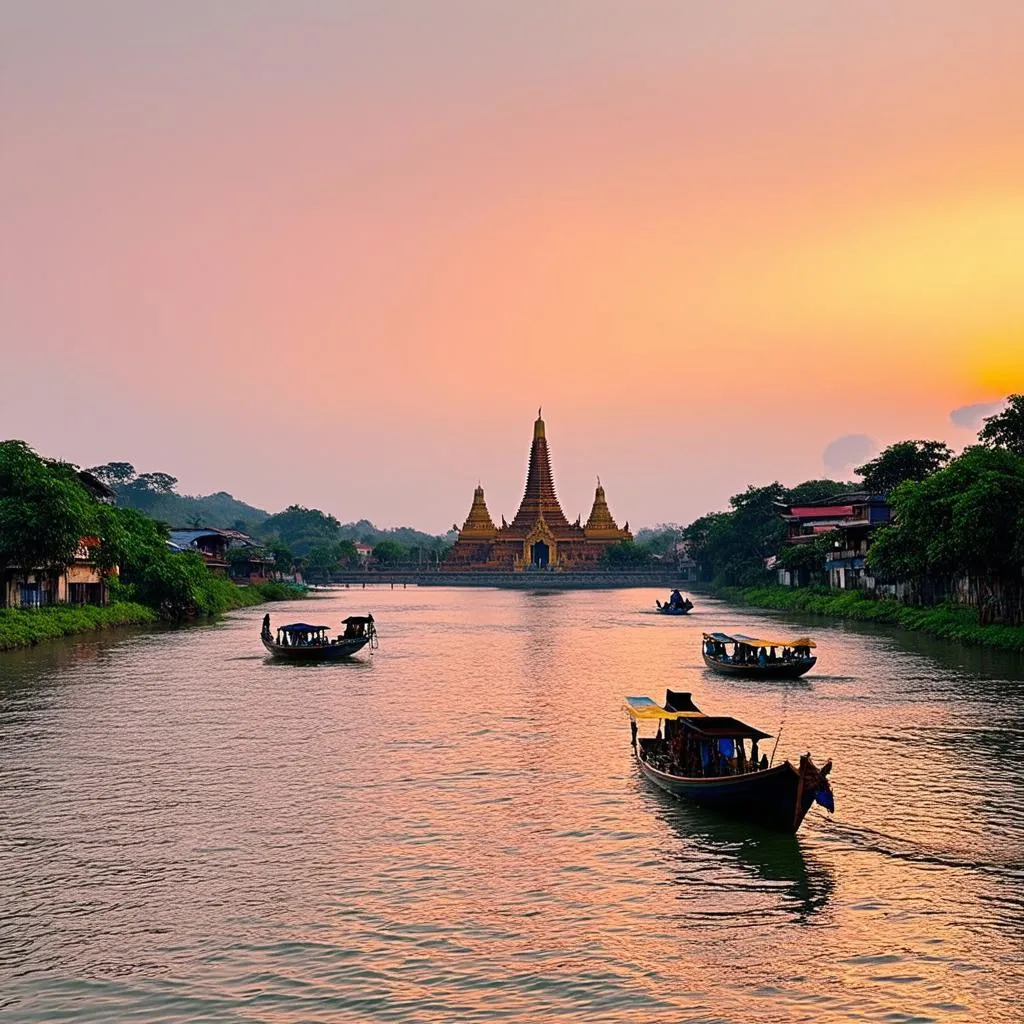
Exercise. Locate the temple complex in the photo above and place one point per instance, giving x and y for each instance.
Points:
(539, 536)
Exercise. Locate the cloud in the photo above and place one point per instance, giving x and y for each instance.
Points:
(850, 450)
(970, 416)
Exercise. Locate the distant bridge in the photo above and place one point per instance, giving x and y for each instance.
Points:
(528, 580)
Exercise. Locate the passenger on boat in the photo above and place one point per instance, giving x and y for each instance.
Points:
(762, 658)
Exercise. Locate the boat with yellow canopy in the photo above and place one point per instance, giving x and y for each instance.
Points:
(736, 654)
(715, 761)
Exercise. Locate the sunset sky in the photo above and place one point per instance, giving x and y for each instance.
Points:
(338, 253)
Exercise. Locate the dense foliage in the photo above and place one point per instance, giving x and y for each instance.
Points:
(967, 518)
(45, 511)
(1006, 429)
(731, 547)
(905, 460)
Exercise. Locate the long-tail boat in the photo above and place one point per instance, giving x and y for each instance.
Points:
(714, 761)
(758, 657)
(299, 641)
(670, 608)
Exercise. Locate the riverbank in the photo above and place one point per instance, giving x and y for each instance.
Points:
(27, 627)
(945, 621)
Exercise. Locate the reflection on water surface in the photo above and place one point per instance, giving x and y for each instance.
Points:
(455, 829)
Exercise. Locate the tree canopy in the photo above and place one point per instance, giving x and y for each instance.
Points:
(1006, 429)
(965, 518)
(731, 547)
(44, 509)
(389, 552)
(302, 529)
(905, 460)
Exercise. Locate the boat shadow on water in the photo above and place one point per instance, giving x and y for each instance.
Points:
(781, 683)
(339, 664)
(773, 863)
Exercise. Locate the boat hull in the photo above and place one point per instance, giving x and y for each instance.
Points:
(773, 798)
(330, 652)
(787, 670)
(668, 610)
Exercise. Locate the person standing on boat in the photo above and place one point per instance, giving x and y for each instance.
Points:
(675, 599)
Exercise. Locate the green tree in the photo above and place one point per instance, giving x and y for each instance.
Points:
(347, 555)
(114, 474)
(44, 509)
(732, 547)
(967, 518)
(302, 529)
(818, 490)
(321, 561)
(1006, 429)
(626, 554)
(283, 557)
(157, 483)
(905, 460)
(389, 552)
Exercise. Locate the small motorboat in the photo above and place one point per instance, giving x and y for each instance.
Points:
(299, 641)
(714, 761)
(735, 654)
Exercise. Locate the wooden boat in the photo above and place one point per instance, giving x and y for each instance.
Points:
(757, 657)
(674, 609)
(300, 641)
(704, 758)
(676, 605)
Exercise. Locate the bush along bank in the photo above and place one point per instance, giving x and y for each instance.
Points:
(948, 622)
(27, 627)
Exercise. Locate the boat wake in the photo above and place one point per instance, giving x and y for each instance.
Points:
(860, 837)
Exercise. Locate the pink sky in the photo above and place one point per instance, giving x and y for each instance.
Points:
(337, 254)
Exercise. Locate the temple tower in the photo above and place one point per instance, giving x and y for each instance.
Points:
(601, 525)
(539, 536)
(539, 498)
(478, 524)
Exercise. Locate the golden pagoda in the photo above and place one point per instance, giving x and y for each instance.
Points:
(539, 536)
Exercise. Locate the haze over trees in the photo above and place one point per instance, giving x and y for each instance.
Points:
(292, 533)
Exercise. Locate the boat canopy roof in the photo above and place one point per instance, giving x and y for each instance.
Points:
(753, 641)
(358, 619)
(645, 709)
(301, 627)
(722, 727)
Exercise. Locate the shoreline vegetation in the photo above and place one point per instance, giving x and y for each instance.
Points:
(26, 627)
(947, 622)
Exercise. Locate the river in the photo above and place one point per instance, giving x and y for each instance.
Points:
(453, 828)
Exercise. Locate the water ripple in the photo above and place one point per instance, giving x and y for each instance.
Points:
(454, 830)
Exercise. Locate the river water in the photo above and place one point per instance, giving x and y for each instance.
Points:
(453, 829)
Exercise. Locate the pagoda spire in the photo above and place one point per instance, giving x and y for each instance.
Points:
(478, 523)
(539, 498)
(600, 516)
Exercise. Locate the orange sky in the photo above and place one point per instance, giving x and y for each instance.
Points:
(338, 253)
